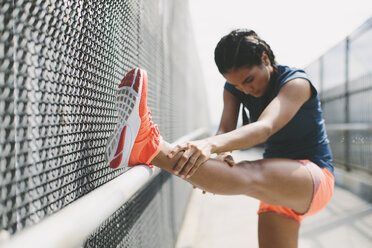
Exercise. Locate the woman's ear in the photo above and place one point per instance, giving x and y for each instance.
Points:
(265, 59)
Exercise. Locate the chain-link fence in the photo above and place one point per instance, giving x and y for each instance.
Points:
(60, 65)
(344, 77)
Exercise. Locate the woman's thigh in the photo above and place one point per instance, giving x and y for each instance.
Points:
(283, 182)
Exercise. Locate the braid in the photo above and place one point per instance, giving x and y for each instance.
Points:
(240, 34)
(242, 47)
(270, 54)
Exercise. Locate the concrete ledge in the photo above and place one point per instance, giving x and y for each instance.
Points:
(360, 183)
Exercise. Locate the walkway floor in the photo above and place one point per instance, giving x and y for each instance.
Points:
(231, 221)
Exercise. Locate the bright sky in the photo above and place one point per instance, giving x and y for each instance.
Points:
(298, 31)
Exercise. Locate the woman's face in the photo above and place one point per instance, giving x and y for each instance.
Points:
(252, 81)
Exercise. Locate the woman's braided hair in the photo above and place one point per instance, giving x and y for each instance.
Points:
(242, 48)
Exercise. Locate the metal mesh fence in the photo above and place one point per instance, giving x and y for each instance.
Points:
(345, 84)
(60, 64)
(142, 222)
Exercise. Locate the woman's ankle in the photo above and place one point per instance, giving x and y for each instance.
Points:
(162, 160)
(163, 152)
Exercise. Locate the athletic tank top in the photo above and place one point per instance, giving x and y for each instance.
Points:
(303, 137)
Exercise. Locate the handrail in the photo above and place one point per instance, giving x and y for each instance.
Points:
(72, 225)
(349, 127)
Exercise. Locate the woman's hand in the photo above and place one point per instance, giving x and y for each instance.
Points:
(195, 153)
(226, 157)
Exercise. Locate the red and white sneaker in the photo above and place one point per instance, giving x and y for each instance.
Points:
(135, 139)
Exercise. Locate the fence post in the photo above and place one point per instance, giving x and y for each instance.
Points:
(321, 78)
(347, 107)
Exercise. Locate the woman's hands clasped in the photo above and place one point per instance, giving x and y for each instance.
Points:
(195, 154)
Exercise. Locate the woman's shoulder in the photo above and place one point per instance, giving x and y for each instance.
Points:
(286, 73)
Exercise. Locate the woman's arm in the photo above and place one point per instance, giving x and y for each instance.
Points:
(229, 119)
(275, 116)
(230, 113)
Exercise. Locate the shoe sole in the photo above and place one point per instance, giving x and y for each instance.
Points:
(120, 143)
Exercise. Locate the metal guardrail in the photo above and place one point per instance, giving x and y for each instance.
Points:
(350, 143)
(72, 225)
(349, 127)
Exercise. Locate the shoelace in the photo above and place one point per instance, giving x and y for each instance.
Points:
(154, 127)
(148, 128)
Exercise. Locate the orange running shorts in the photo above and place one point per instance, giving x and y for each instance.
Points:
(323, 181)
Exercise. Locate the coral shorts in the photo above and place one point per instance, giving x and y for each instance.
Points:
(323, 181)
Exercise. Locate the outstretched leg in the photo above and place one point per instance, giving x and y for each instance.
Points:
(213, 176)
(282, 182)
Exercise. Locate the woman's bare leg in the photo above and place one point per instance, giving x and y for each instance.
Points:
(282, 182)
(275, 230)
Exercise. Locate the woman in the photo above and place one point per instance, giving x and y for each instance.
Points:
(295, 178)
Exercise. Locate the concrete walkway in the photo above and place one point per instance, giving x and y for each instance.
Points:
(231, 221)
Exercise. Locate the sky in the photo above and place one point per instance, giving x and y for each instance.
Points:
(298, 31)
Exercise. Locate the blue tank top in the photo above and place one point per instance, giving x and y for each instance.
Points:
(304, 137)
